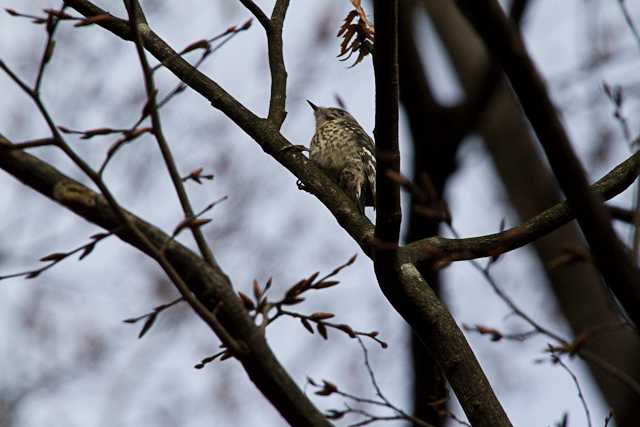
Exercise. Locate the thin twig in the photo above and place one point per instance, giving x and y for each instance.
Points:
(557, 360)
(167, 155)
(258, 13)
(506, 45)
(51, 26)
(629, 20)
(42, 142)
(566, 345)
(327, 388)
(123, 218)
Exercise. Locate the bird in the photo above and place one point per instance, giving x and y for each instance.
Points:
(346, 153)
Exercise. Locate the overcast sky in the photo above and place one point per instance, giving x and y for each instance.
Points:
(65, 328)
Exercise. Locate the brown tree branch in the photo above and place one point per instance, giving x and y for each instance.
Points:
(258, 13)
(259, 129)
(435, 326)
(492, 245)
(622, 214)
(208, 283)
(400, 280)
(610, 255)
(531, 188)
(273, 28)
(434, 140)
(278, 98)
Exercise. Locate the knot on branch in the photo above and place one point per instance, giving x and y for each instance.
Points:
(73, 195)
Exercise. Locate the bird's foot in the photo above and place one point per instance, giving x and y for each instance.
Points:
(300, 148)
(302, 186)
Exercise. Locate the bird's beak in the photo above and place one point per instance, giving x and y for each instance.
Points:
(313, 106)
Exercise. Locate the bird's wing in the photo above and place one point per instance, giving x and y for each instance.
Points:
(313, 146)
(369, 159)
(368, 154)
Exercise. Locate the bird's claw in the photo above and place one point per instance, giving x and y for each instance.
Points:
(298, 147)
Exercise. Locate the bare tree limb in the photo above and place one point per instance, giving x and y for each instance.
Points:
(259, 129)
(622, 214)
(278, 98)
(402, 283)
(610, 255)
(136, 17)
(531, 188)
(273, 29)
(492, 245)
(434, 325)
(258, 13)
(209, 284)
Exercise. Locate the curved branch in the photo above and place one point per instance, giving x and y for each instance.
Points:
(258, 13)
(492, 245)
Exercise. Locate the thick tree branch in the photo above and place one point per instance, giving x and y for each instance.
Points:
(440, 248)
(400, 280)
(610, 255)
(435, 326)
(210, 284)
(434, 147)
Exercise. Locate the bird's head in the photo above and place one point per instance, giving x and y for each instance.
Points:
(325, 114)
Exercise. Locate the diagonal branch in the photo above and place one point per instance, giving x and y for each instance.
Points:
(260, 130)
(507, 46)
(437, 329)
(258, 13)
(209, 283)
(493, 245)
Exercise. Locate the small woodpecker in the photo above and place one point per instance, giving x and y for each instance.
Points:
(346, 153)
